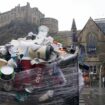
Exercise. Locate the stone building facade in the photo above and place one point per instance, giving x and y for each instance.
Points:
(92, 42)
(69, 37)
(65, 37)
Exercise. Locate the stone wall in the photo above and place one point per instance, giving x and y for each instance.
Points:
(66, 37)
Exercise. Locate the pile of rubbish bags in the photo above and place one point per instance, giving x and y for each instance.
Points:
(35, 63)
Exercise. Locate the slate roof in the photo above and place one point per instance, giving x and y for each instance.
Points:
(101, 24)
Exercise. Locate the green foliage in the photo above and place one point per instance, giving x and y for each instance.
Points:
(59, 39)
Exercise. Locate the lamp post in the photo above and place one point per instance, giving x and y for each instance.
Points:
(100, 87)
(100, 81)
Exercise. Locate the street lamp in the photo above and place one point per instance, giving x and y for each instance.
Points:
(100, 83)
(100, 87)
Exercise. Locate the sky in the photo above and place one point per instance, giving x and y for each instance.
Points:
(63, 10)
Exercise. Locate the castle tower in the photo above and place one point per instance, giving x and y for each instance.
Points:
(74, 32)
(51, 23)
(28, 4)
(28, 12)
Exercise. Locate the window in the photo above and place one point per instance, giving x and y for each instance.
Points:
(93, 69)
(82, 54)
(91, 43)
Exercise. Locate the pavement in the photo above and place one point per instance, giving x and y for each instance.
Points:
(92, 96)
(81, 101)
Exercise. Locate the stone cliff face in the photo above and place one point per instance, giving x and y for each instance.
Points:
(15, 30)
